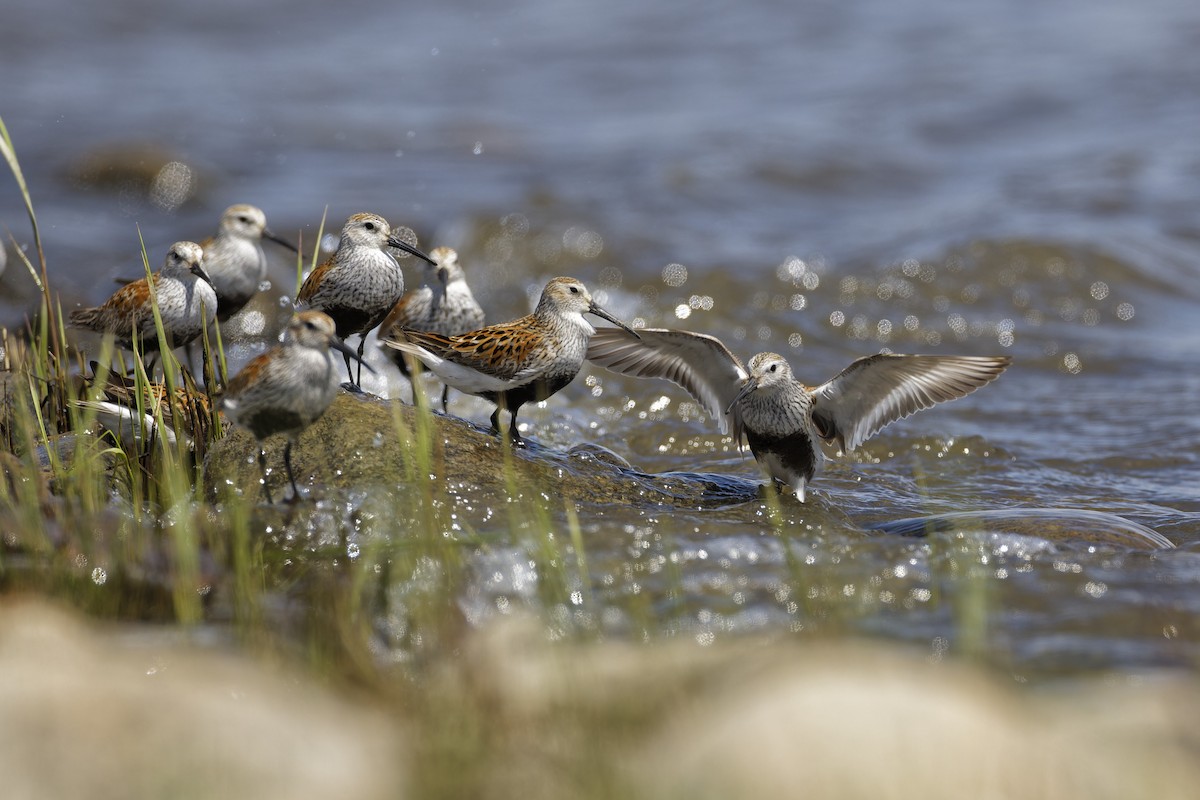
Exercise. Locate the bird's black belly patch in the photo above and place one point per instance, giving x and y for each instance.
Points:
(532, 392)
(350, 321)
(795, 452)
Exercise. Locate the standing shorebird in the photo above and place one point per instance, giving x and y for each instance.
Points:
(443, 304)
(234, 258)
(123, 396)
(186, 303)
(358, 285)
(516, 362)
(287, 388)
(783, 420)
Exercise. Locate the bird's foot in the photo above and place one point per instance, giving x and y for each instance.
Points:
(513, 436)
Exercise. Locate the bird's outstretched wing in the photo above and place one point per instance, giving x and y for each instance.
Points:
(701, 364)
(877, 390)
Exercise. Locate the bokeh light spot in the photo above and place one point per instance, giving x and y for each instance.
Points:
(674, 275)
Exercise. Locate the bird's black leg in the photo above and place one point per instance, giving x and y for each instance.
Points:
(362, 342)
(262, 464)
(287, 462)
(445, 398)
(502, 405)
(350, 385)
(512, 428)
(349, 371)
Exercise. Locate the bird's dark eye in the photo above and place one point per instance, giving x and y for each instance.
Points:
(312, 326)
(369, 226)
(244, 219)
(574, 290)
(774, 367)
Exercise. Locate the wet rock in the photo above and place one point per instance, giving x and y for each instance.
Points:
(363, 442)
(88, 715)
(1058, 524)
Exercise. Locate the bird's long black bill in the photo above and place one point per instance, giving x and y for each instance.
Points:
(199, 272)
(600, 312)
(279, 240)
(749, 386)
(400, 244)
(349, 352)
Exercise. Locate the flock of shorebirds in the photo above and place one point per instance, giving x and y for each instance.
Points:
(360, 287)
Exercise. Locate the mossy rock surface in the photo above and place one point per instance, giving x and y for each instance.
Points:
(365, 443)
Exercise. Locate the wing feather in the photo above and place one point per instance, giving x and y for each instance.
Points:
(492, 359)
(700, 364)
(877, 390)
(310, 290)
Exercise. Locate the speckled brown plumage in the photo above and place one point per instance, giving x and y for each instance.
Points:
(118, 408)
(360, 282)
(517, 362)
(186, 303)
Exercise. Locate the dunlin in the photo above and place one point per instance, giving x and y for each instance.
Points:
(783, 420)
(118, 411)
(516, 362)
(358, 285)
(442, 304)
(234, 258)
(186, 303)
(287, 388)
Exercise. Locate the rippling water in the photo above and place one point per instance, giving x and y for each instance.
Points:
(823, 181)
